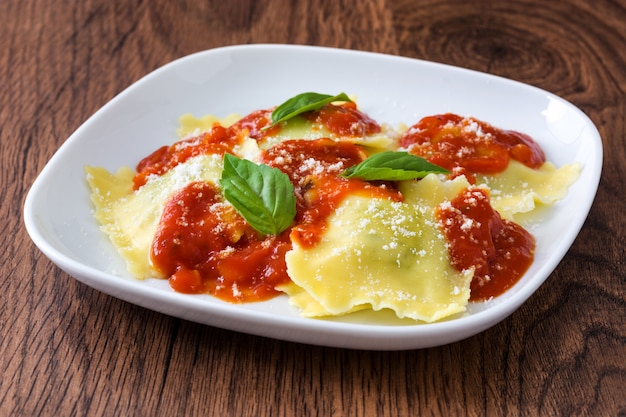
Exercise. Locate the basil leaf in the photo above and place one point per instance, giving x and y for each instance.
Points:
(302, 103)
(263, 195)
(392, 166)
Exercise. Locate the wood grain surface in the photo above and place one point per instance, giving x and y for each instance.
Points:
(68, 350)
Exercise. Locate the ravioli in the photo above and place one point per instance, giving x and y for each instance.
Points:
(300, 128)
(520, 189)
(381, 254)
(130, 218)
(191, 125)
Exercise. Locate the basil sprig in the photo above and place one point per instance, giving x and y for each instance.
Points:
(393, 166)
(263, 195)
(302, 103)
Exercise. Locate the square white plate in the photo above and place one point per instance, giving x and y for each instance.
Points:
(59, 216)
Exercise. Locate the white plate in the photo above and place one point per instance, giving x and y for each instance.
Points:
(58, 212)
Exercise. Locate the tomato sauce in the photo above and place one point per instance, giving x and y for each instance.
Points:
(257, 125)
(344, 120)
(451, 141)
(217, 140)
(204, 246)
(500, 251)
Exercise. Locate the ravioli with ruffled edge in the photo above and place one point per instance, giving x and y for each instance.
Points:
(375, 254)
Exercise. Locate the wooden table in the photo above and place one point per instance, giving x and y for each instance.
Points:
(66, 349)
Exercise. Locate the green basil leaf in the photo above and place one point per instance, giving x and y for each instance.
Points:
(393, 166)
(302, 103)
(263, 195)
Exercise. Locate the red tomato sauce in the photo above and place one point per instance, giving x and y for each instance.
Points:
(451, 141)
(204, 246)
(257, 125)
(344, 120)
(217, 140)
(500, 251)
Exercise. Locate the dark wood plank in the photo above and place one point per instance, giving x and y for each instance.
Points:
(66, 349)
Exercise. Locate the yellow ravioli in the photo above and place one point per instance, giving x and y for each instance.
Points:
(520, 189)
(130, 219)
(382, 254)
(191, 125)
